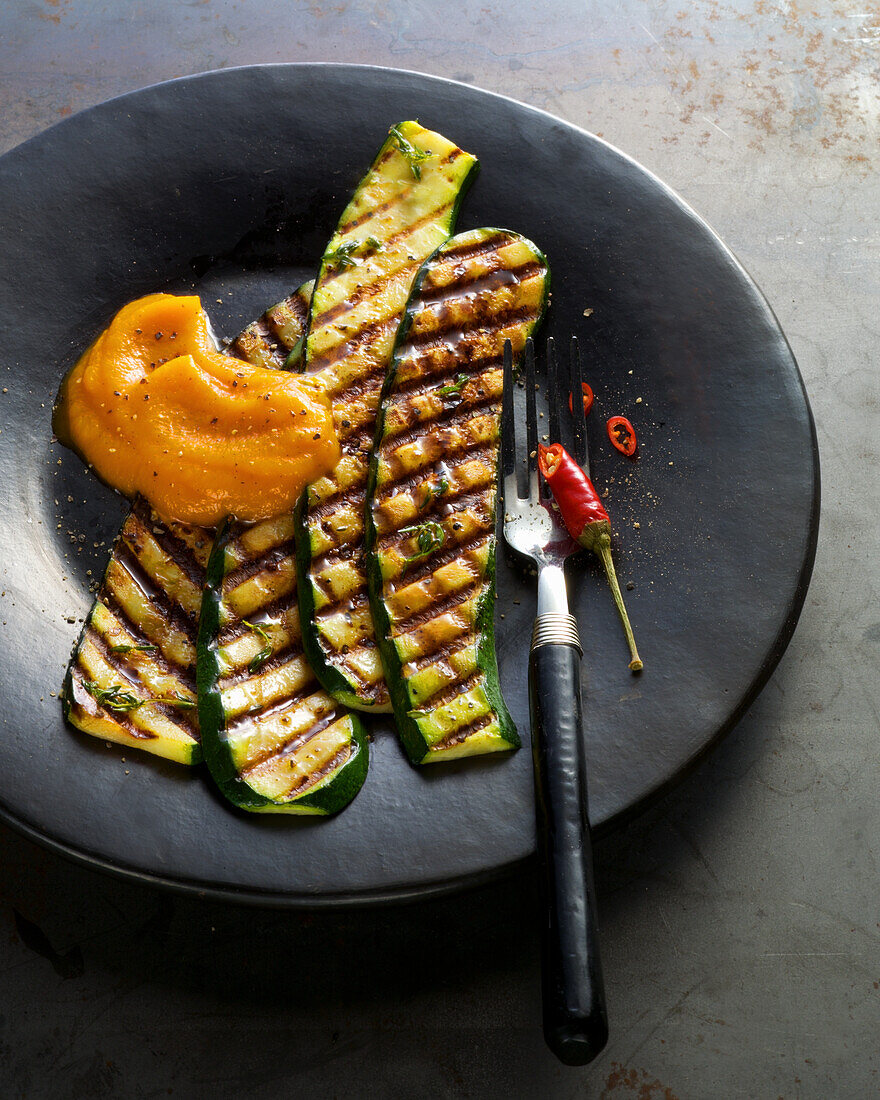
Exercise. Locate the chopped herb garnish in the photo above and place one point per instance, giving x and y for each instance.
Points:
(453, 387)
(432, 492)
(413, 155)
(114, 697)
(134, 649)
(342, 256)
(429, 537)
(259, 659)
(176, 700)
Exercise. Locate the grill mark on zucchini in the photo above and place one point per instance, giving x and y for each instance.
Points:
(418, 385)
(382, 208)
(453, 502)
(508, 319)
(327, 768)
(351, 344)
(137, 631)
(443, 653)
(442, 607)
(268, 563)
(258, 342)
(267, 612)
(364, 291)
(148, 527)
(275, 709)
(454, 545)
(134, 677)
(292, 312)
(237, 547)
(279, 658)
(444, 648)
(179, 716)
(113, 604)
(174, 548)
(454, 542)
(355, 603)
(314, 778)
(481, 283)
(151, 661)
(263, 342)
(369, 290)
(419, 570)
(453, 416)
(461, 249)
(406, 483)
(459, 736)
(331, 505)
(172, 612)
(175, 716)
(437, 643)
(449, 691)
(96, 710)
(292, 746)
(361, 645)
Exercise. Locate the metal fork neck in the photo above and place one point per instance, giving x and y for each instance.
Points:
(552, 594)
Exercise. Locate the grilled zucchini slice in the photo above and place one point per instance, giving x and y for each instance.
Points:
(276, 339)
(274, 740)
(430, 515)
(132, 676)
(402, 210)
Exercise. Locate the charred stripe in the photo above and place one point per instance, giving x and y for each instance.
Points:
(456, 737)
(270, 562)
(399, 627)
(150, 589)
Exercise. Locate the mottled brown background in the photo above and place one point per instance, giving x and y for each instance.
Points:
(741, 915)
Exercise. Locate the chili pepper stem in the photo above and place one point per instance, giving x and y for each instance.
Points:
(603, 548)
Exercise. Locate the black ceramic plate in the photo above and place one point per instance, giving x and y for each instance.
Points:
(229, 184)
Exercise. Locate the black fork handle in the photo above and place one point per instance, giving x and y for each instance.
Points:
(575, 1018)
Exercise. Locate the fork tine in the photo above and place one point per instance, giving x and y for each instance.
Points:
(508, 428)
(508, 425)
(531, 411)
(552, 392)
(579, 421)
(531, 422)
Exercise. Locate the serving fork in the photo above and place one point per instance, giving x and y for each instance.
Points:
(575, 1019)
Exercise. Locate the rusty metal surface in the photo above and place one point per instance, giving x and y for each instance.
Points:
(740, 917)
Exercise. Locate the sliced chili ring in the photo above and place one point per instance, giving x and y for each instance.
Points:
(622, 435)
(549, 458)
(588, 399)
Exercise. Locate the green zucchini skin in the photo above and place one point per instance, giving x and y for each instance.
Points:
(274, 740)
(136, 654)
(434, 472)
(398, 215)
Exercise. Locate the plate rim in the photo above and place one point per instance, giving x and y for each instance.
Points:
(447, 885)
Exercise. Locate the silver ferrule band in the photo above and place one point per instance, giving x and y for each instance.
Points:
(556, 629)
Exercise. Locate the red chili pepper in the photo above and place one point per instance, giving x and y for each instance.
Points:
(588, 399)
(586, 520)
(622, 435)
(579, 504)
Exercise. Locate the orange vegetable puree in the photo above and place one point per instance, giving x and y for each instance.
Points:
(155, 409)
